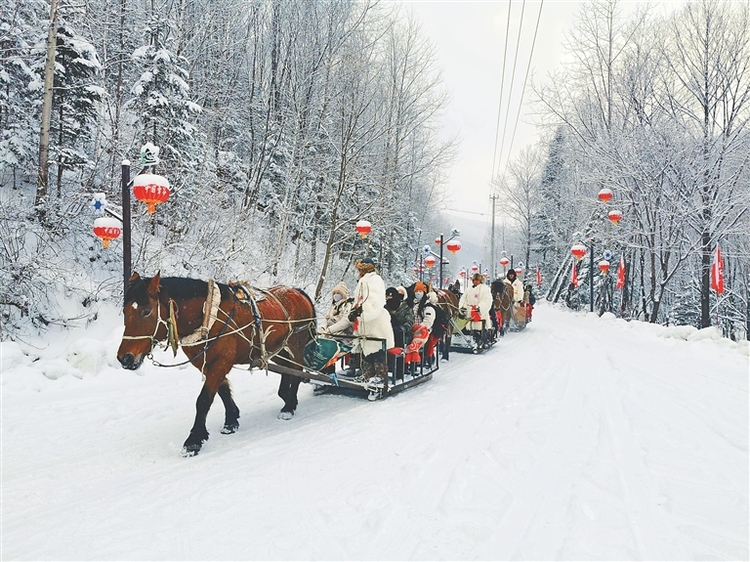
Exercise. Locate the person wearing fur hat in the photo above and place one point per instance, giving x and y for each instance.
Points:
(370, 319)
(475, 305)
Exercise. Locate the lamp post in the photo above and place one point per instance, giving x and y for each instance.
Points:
(154, 190)
(455, 248)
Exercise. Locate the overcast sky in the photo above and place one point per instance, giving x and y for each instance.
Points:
(470, 39)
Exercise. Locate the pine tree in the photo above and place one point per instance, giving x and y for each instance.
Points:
(75, 103)
(164, 113)
(20, 86)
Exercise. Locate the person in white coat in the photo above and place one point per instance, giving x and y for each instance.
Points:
(371, 319)
(512, 279)
(475, 305)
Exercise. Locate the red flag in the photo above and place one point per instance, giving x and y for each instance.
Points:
(538, 276)
(717, 272)
(574, 278)
(621, 273)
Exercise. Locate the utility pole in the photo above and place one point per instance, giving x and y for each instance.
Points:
(492, 239)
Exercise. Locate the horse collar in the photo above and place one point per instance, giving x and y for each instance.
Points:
(173, 337)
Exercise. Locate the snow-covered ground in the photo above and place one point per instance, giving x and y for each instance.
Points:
(579, 438)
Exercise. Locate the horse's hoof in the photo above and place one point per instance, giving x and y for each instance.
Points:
(285, 415)
(229, 429)
(190, 450)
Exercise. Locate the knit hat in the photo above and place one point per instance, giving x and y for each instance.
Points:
(342, 290)
(392, 293)
(421, 287)
(511, 272)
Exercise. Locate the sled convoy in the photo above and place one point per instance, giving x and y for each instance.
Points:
(221, 325)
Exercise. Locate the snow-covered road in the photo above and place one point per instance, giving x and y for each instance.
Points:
(579, 438)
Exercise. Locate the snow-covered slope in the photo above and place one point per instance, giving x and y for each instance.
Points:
(578, 438)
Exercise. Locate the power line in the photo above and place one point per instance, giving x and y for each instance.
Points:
(525, 80)
(513, 77)
(502, 88)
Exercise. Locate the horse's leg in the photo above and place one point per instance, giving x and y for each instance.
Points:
(215, 372)
(199, 433)
(231, 418)
(288, 393)
(289, 384)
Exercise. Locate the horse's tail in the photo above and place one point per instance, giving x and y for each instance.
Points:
(312, 324)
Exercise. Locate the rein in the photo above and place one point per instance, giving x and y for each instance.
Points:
(212, 309)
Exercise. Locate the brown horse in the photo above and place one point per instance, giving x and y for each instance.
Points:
(218, 326)
(502, 300)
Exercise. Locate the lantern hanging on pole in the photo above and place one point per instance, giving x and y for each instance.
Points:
(429, 261)
(364, 228)
(453, 246)
(604, 266)
(504, 262)
(579, 250)
(605, 195)
(615, 217)
(474, 269)
(107, 228)
(151, 189)
(437, 241)
(518, 271)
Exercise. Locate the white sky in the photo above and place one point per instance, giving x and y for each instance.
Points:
(470, 39)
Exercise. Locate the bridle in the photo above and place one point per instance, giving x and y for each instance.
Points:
(159, 322)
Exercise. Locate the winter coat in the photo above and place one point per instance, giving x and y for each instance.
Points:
(337, 319)
(424, 311)
(481, 297)
(517, 289)
(374, 320)
(403, 320)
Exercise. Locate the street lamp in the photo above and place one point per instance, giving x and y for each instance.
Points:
(453, 246)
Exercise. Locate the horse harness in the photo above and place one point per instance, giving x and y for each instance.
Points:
(242, 294)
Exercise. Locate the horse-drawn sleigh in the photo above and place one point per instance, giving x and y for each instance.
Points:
(218, 326)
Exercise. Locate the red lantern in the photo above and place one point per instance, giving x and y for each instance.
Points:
(364, 228)
(604, 266)
(605, 195)
(429, 261)
(579, 250)
(151, 189)
(615, 217)
(518, 271)
(504, 262)
(107, 228)
(437, 241)
(453, 246)
(474, 269)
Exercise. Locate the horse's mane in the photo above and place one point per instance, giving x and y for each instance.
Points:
(181, 288)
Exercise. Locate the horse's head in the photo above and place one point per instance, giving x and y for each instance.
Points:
(145, 321)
